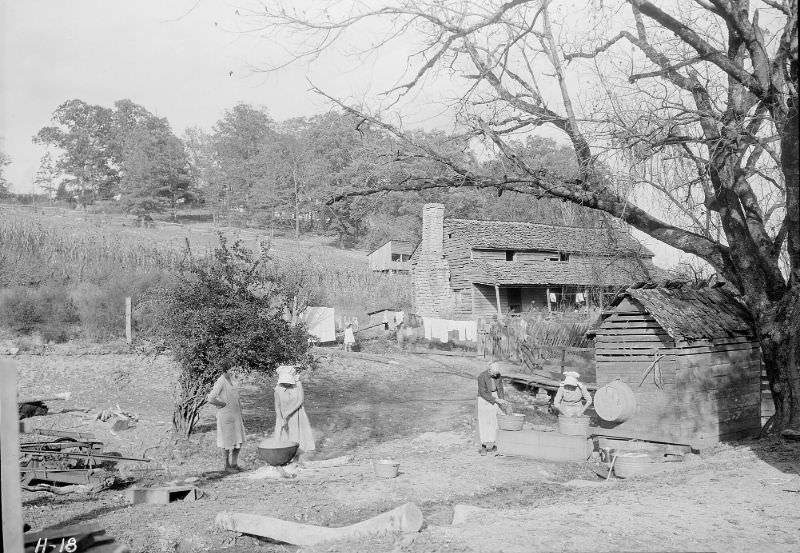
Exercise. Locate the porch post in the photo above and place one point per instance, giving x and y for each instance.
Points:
(497, 298)
(549, 309)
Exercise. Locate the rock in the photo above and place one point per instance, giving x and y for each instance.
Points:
(120, 424)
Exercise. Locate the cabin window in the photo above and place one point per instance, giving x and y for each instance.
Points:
(510, 255)
(449, 234)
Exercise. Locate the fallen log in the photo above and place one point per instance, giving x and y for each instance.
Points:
(406, 518)
(64, 396)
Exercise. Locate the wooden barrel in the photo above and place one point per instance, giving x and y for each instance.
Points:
(615, 402)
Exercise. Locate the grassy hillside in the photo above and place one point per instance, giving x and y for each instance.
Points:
(64, 273)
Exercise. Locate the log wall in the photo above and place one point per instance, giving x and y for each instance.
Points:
(707, 391)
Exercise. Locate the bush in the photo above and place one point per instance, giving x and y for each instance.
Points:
(102, 306)
(224, 311)
(49, 308)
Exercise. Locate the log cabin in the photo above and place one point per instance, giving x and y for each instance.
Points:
(472, 269)
(688, 361)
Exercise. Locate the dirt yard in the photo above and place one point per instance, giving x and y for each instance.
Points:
(418, 410)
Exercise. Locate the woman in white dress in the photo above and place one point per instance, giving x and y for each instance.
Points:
(291, 420)
(230, 425)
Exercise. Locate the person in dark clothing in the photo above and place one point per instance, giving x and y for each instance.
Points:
(491, 397)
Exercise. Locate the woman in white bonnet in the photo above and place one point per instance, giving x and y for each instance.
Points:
(291, 421)
(572, 393)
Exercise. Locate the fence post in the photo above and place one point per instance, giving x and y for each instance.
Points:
(128, 319)
(11, 537)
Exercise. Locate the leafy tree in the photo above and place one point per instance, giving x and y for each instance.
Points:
(696, 109)
(238, 141)
(5, 159)
(156, 169)
(47, 178)
(85, 135)
(227, 310)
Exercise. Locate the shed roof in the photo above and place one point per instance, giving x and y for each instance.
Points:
(512, 235)
(407, 246)
(693, 313)
(586, 271)
(392, 309)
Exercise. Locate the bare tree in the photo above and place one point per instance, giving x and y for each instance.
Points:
(694, 103)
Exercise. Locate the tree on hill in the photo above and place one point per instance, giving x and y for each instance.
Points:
(124, 150)
(156, 169)
(238, 142)
(227, 310)
(84, 134)
(47, 178)
(695, 108)
(5, 159)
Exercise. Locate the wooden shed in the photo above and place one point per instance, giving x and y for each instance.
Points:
(393, 256)
(691, 359)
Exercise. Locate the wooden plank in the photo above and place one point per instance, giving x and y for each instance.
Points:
(128, 312)
(11, 502)
(626, 331)
(406, 519)
(614, 339)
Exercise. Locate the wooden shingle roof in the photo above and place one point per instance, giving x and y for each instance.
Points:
(694, 313)
(512, 235)
(578, 271)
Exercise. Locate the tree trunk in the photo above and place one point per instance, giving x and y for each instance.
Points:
(296, 208)
(779, 328)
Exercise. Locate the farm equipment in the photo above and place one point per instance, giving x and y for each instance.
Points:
(70, 458)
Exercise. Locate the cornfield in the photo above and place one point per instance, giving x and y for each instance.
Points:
(38, 250)
(71, 251)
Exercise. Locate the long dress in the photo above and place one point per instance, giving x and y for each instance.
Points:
(489, 391)
(230, 426)
(487, 420)
(291, 420)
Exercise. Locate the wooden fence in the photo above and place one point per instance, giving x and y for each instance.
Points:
(551, 345)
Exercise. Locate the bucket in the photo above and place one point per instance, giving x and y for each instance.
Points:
(627, 464)
(386, 468)
(615, 402)
(510, 422)
(573, 426)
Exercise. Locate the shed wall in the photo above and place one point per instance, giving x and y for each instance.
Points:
(699, 394)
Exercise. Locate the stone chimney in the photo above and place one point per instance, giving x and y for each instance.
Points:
(432, 228)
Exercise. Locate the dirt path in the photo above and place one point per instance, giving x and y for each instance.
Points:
(419, 412)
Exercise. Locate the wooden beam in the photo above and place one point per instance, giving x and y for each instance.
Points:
(12, 540)
(128, 335)
(497, 298)
(406, 518)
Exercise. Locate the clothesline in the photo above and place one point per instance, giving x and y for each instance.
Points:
(439, 329)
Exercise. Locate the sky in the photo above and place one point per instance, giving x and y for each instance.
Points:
(173, 57)
(186, 60)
